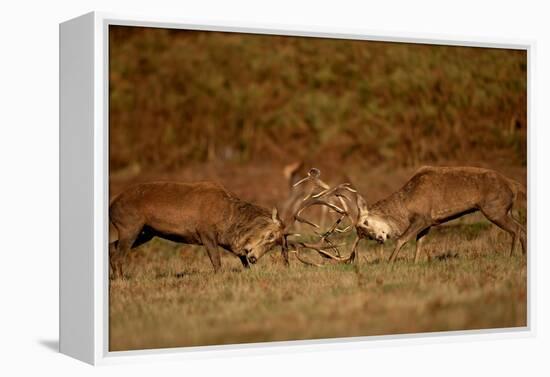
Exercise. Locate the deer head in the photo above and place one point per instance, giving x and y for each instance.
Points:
(370, 226)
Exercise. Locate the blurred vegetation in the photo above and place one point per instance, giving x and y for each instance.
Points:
(180, 97)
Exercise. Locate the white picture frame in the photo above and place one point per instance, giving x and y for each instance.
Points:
(84, 197)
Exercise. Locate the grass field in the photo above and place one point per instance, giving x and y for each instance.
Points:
(172, 297)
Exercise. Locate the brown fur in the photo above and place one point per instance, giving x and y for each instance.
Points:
(435, 195)
(202, 213)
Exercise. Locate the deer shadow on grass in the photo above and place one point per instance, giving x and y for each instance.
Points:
(446, 255)
(195, 272)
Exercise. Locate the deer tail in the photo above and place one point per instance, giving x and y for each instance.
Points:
(520, 194)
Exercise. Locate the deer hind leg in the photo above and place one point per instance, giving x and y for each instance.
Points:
(113, 253)
(523, 241)
(419, 240)
(505, 222)
(119, 251)
(522, 235)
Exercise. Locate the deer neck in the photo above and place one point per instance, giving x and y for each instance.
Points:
(392, 227)
(245, 221)
(397, 226)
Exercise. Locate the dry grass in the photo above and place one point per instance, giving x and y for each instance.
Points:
(172, 298)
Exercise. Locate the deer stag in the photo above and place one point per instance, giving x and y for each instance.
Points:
(202, 213)
(435, 195)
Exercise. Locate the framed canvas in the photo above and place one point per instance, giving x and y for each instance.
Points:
(244, 189)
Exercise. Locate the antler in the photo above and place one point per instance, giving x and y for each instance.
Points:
(317, 198)
(324, 246)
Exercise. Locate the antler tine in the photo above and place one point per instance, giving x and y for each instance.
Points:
(345, 230)
(318, 247)
(335, 248)
(323, 241)
(316, 198)
(344, 212)
(325, 247)
(314, 201)
(342, 200)
(305, 261)
(313, 175)
(311, 202)
(305, 221)
(335, 190)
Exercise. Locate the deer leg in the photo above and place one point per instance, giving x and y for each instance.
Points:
(213, 252)
(244, 261)
(284, 252)
(126, 239)
(286, 260)
(354, 256)
(506, 223)
(522, 235)
(399, 244)
(113, 253)
(523, 241)
(419, 240)
(411, 232)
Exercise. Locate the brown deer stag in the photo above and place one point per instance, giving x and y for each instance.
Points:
(203, 213)
(435, 195)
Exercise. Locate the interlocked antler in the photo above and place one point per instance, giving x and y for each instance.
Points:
(325, 247)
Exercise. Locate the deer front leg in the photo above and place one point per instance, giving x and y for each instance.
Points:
(399, 244)
(244, 261)
(213, 252)
(409, 234)
(354, 256)
(286, 261)
(284, 252)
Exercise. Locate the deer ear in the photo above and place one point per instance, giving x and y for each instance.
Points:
(292, 172)
(362, 206)
(275, 216)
